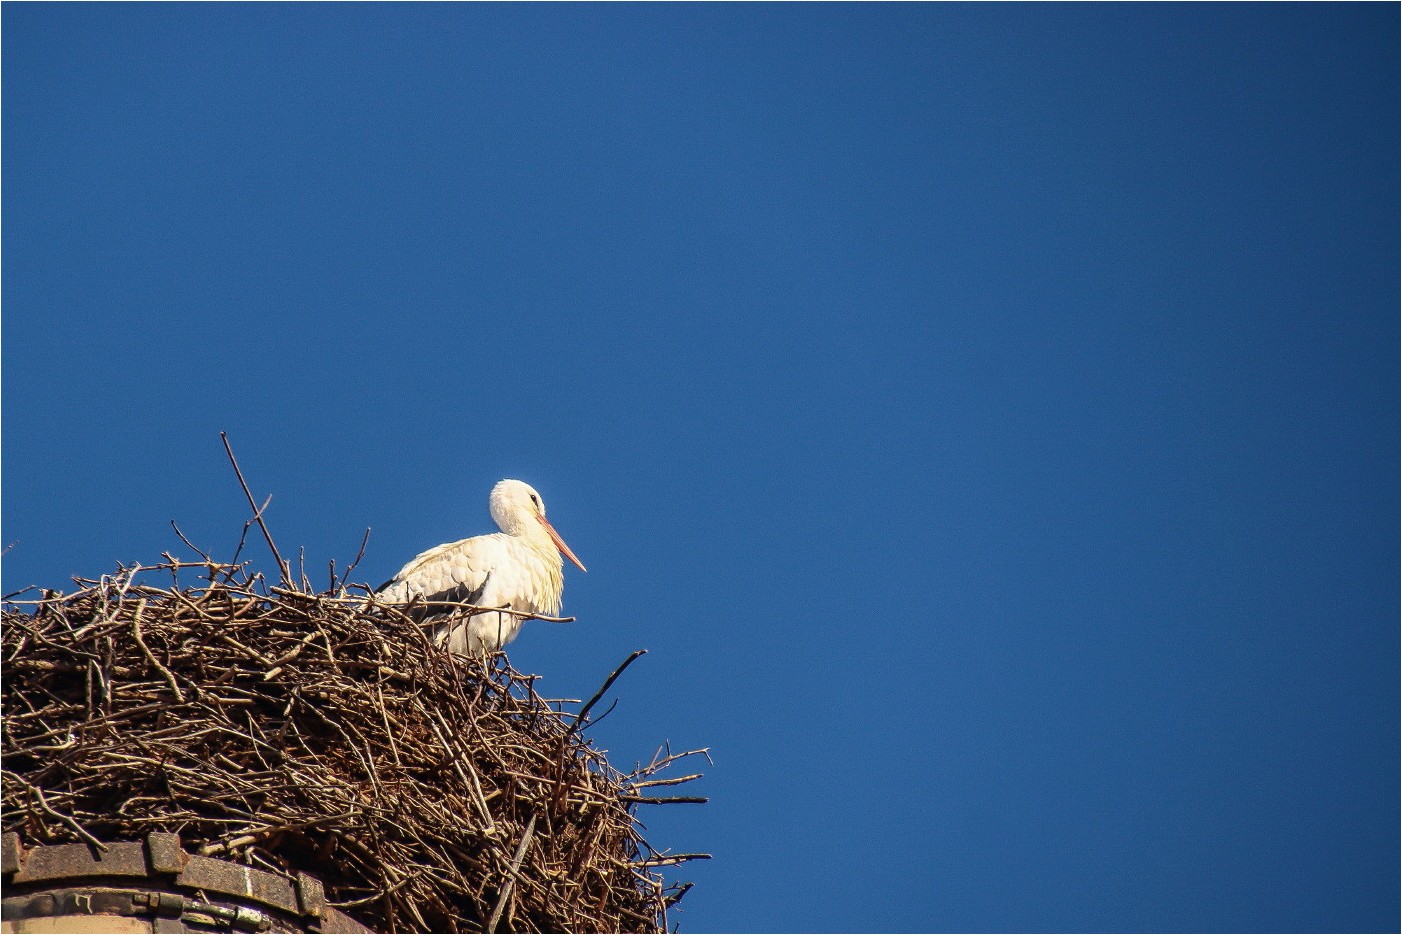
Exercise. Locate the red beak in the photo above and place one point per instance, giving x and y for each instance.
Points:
(560, 543)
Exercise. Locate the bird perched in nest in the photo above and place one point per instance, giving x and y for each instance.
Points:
(518, 568)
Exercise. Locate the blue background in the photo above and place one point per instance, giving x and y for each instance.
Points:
(986, 415)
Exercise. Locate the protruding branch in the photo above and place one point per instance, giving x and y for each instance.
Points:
(283, 568)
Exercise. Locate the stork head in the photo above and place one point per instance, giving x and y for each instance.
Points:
(519, 511)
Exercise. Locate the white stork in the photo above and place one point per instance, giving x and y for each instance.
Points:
(518, 568)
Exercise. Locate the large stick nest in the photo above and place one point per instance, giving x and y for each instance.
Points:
(300, 732)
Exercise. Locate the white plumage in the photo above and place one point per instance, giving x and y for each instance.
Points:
(518, 568)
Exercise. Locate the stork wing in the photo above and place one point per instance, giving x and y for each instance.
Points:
(455, 571)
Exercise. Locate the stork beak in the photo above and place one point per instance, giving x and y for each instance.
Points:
(560, 543)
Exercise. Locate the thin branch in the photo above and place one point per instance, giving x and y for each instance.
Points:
(52, 813)
(584, 711)
(192, 546)
(665, 782)
(150, 656)
(364, 541)
(665, 800)
(511, 876)
(284, 569)
(671, 859)
(416, 603)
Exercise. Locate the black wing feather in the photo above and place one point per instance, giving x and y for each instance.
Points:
(459, 594)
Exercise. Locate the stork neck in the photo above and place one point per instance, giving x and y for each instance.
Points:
(518, 523)
(530, 531)
(539, 545)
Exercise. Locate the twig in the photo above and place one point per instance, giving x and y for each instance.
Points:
(665, 782)
(364, 540)
(671, 859)
(674, 898)
(66, 819)
(665, 800)
(584, 711)
(150, 656)
(283, 568)
(607, 712)
(192, 546)
(657, 765)
(467, 609)
(511, 876)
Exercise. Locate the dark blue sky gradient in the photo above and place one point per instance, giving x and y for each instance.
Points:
(986, 415)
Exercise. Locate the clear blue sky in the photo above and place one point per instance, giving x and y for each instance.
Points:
(986, 415)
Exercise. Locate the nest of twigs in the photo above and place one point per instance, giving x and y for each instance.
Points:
(308, 732)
